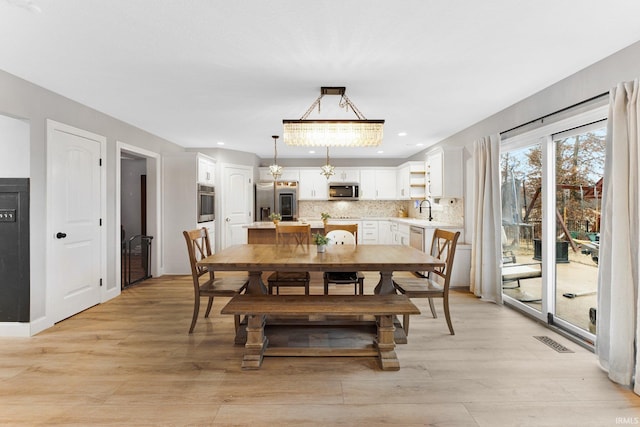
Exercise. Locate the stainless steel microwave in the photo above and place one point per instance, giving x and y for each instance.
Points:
(344, 191)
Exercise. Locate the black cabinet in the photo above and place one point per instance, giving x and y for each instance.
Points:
(14, 250)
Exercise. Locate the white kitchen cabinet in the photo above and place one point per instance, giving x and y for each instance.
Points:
(206, 170)
(312, 185)
(403, 232)
(385, 233)
(351, 175)
(404, 189)
(378, 184)
(412, 180)
(288, 174)
(444, 172)
(369, 232)
(399, 234)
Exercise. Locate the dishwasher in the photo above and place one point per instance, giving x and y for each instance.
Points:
(416, 240)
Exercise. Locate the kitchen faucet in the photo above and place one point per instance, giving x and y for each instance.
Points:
(420, 207)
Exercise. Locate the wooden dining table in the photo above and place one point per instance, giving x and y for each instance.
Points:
(258, 258)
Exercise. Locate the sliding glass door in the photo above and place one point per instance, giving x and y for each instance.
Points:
(551, 182)
(579, 163)
(522, 209)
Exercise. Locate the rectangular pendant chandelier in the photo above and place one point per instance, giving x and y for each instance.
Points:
(359, 132)
(333, 133)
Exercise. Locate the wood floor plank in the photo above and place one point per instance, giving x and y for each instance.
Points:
(131, 362)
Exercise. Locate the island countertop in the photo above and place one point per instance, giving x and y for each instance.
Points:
(317, 223)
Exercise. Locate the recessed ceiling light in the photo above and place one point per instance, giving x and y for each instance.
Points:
(380, 151)
(419, 144)
(312, 152)
(402, 134)
(220, 143)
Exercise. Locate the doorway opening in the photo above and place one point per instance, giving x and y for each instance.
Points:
(138, 214)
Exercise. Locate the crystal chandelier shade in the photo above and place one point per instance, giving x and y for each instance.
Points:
(327, 170)
(333, 133)
(274, 169)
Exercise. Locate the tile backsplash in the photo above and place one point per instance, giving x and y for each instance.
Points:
(447, 210)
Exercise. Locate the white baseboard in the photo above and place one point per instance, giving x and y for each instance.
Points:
(24, 329)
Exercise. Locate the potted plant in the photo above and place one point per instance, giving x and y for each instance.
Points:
(275, 217)
(325, 217)
(321, 241)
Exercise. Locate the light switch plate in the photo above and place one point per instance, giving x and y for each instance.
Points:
(7, 215)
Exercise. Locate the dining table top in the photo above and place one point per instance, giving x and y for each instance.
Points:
(264, 257)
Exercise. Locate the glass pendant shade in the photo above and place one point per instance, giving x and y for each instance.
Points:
(274, 169)
(327, 170)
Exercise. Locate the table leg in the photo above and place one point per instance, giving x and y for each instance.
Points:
(385, 285)
(256, 285)
(386, 344)
(256, 342)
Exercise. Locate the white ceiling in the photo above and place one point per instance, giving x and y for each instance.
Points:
(200, 72)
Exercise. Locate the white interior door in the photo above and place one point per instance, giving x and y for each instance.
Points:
(74, 201)
(237, 185)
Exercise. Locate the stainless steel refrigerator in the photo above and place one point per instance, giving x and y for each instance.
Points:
(280, 197)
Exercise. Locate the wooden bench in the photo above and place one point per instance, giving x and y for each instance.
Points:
(257, 307)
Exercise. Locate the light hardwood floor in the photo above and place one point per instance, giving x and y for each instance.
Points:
(131, 362)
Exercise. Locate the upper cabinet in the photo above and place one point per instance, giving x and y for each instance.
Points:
(411, 180)
(312, 185)
(346, 175)
(288, 174)
(444, 172)
(206, 170)
(378, 184)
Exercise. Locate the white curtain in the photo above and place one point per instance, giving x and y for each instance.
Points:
(617, 321)
(486, 248)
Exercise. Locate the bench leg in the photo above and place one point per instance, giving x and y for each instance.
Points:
(256, 342)
(386, 344)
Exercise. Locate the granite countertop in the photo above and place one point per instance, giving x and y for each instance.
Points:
(317, 223)
(424, 223)
(270, 225)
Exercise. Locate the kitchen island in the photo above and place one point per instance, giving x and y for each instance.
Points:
(265, 232)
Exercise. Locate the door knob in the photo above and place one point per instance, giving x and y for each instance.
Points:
(61, 235)
(228, 219)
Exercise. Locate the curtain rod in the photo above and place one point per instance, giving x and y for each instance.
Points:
(593, 98)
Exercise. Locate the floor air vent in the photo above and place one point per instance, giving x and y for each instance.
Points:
(553, 344)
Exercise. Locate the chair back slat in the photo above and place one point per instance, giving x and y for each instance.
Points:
(300, 234)
(443, 246)
(198, 247)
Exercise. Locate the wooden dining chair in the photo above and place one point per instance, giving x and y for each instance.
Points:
(291, 234)
(351, 228)
(355, 278)
(436, 284)
(199, 247)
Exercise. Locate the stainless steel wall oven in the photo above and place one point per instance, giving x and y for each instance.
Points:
(206, 203)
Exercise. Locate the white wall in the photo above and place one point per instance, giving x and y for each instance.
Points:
(35, 104)
(14, 148)
(585, 84)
